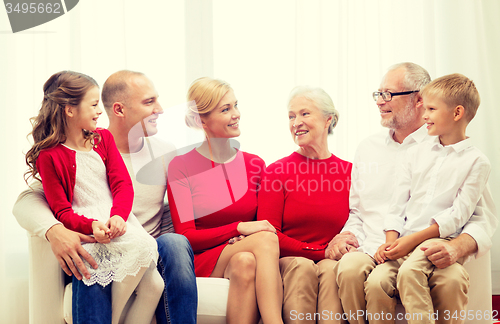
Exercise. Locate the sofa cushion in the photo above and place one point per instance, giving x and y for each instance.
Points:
(212, 300)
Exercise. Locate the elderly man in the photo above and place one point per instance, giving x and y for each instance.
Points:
(373, 178)
(131, 102)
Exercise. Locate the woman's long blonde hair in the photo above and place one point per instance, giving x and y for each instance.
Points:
(49, 127)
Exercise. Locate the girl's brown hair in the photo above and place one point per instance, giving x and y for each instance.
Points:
(49, 127)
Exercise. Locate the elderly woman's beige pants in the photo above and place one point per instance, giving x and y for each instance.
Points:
(310, 291)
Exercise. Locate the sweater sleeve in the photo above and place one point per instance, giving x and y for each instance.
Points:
(33, 212)
(271, 207)
(118, 177)
(57, 197)
(180, 200)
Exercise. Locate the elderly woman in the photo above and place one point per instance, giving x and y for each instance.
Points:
(212, 192)
(305, 196)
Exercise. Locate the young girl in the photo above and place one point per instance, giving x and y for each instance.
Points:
(88, 188)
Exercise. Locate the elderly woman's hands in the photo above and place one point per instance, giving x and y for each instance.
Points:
(247, 228)
(341, 244)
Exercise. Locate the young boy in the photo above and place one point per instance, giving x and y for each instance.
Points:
(439, 185)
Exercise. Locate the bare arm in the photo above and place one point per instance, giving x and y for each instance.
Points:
(390, 238)
(404, 245)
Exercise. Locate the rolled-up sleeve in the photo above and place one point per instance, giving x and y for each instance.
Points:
(483, 223)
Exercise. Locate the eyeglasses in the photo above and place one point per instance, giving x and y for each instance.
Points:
(387, 96)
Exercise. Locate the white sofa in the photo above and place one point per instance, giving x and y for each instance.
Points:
(50, 300)
(49, 304)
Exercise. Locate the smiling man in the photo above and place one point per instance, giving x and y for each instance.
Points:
(401, 109)
(131, 102)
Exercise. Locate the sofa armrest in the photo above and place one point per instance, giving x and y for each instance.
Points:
(480, 302)
(46, 283)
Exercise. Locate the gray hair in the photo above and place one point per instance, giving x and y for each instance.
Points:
(321, 99)
(416, 77)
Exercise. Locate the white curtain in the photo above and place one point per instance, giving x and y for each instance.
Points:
(263, 49)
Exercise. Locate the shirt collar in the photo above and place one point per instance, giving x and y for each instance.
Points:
(457, 147)
(417, 136)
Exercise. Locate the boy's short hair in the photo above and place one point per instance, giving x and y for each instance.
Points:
(455, 89)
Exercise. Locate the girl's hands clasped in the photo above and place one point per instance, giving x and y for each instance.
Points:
(117, 226)
(101, 232)
(113, 228)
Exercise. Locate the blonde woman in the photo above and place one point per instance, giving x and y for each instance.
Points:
(212, 192)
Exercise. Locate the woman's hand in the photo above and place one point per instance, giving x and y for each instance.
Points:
(101, 232)
(235, 239)
(247, 228)
(117, 226)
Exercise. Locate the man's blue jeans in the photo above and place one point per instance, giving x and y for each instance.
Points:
(92, 304)
(179, 302)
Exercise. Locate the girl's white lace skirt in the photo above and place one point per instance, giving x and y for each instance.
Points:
(123, 256)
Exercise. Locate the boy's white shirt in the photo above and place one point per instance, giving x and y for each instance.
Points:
(373, 180)
(437, 184)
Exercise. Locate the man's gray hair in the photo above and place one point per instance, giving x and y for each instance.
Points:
(416, 77)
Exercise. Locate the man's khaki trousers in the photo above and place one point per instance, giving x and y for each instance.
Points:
(429, 294)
